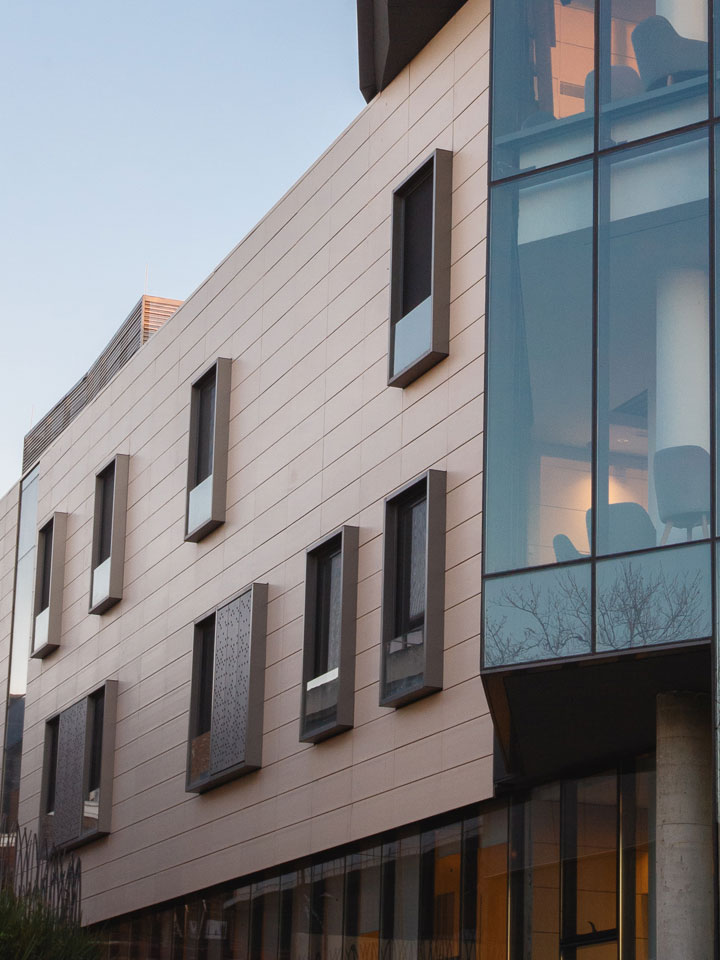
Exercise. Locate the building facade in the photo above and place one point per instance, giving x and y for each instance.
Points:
(314, 647)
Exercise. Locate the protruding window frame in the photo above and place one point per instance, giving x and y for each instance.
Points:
(435, 482)
(347, 539)
(108, 690)
(116, 560)
(440, 164)
(252, 759)
(217, 479)
(52, 634)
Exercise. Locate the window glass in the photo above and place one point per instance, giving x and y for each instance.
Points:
(205, 427)
(543, 101)
(107, 495)
(537, 616)
(326, 925)
(539, 837)
(654, 598)
(399, 925)
(202, 721)
(539, 431)
(417, 242)
(485, 886)
(653, 372)
(329, 610)
(654, 76)
(362, 905)
(265, 919)
(52, 734)
(236, 916)
(46, 545)
(440, 899)
(590, 854)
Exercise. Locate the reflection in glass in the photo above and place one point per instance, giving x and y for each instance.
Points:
(485, 886)
(236, 917)
(440, 897)
(655, 77)
(539, 438)
(362, 905)
(652, 598)
(264, 919)
(399, 919)
(536, 844)
(591, 841)
(537, 616)
(326, 917)
(543, 58)
(653, 390)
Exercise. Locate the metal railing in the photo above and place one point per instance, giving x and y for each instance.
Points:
(38, 874)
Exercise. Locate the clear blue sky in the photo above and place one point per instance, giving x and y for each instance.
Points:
(150, 132)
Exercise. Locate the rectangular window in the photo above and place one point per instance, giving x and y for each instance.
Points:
(108, 557)
(76, 792)
(207, 456)
(49, 576)
(329, 636)
(420, 271)
(413, 591)
(227, 693)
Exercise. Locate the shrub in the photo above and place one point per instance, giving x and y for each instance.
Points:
(30, 931)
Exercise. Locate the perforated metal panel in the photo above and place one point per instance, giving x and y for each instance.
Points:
(70, 767)
(231, 688)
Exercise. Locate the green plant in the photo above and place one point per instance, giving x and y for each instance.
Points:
(30, 931)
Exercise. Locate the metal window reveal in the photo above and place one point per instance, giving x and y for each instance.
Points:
(70, 770)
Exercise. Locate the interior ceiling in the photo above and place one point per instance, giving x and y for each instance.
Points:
(392, 32)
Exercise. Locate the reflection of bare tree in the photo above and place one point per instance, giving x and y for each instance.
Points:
(553, 621)
(542, 618)
(644, 607)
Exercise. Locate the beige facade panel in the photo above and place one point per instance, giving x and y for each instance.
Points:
(316, 441)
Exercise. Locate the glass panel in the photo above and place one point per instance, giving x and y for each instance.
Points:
(598, 951)
(540, 378)
(399, 923)
(537, 616)
(543, 62)
(412, 336)
(200, 503)
(46, 545)
(638, 833)
(485, 886)
(417, 242)
(91, 803)
(362, 905)
(265, 919)
(655, 72)
(593, 857)
(107, 497)
(440, 893)
(236, 914)
(542, 879)
(205, 427)
(652, 598)
(101, 582)
(653, 389)
(326, 923)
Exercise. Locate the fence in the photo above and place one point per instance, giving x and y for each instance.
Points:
(36, 873)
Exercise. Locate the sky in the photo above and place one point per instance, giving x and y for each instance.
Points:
(143, 135)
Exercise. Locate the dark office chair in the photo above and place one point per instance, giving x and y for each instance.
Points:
(682, 488)
(624, 83)
(629, 527)
(663, 55)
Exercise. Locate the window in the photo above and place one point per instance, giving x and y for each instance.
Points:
(413, 591)
(207, 456)
(420, 273)
(108, 556)
(227, 694)
(653, 63)
(49, 576)
(76, 792)
(328, 686)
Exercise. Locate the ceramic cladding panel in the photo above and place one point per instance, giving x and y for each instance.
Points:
(70, 769)
(232, 684)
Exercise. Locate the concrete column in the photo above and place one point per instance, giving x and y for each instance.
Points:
(683, 830)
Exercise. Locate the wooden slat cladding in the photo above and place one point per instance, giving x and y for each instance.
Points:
(147, 316)
(155, 312)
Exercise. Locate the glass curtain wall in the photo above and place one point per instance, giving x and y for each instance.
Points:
(599, 332)
(565, 871)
